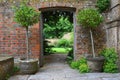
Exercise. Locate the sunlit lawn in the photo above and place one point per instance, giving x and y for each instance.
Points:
(61, 50)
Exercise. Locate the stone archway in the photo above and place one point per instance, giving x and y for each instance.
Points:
(82, 39)
(68, 9)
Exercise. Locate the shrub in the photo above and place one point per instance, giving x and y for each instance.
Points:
(111, 58)
(57, 28)
(75, 64)
(83, 68)
(110, 67)
(81, 65)
(63, 43)
(70, 56)
(47, 48)
(71, 39)
(102, 5)
(110, 55)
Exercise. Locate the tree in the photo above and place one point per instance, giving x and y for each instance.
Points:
(90, 18)
(58, 29)
(26, 16)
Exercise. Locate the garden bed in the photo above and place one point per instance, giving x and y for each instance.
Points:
(6, 67)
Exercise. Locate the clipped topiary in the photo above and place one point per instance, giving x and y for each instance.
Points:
(90, 18)
(26, 16)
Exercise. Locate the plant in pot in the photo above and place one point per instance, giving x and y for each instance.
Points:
(26, 16)
(90, 18)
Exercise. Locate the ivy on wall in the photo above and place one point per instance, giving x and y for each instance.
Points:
(103, 5)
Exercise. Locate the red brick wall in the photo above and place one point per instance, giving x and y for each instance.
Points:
(12, 36)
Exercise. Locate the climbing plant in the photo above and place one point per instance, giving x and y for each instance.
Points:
(102, 5)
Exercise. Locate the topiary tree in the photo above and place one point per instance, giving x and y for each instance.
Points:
(90, 18)
(26, 16)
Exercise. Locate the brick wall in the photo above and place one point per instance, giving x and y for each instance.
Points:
(12, 36)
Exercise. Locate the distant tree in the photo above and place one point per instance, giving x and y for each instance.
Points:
(56, 24)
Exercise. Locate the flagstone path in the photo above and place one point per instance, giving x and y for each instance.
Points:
(56, 68)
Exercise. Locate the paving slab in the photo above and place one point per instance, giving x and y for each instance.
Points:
(56, 68)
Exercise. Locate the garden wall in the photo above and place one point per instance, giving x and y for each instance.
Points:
(12, 36)
(6, 67)
(113, 27)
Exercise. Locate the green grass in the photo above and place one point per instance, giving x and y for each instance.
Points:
(60, 50)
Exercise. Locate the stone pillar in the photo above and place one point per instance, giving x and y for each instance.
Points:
(113, 29)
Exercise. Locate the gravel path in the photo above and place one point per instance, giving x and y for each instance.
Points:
(56, 68)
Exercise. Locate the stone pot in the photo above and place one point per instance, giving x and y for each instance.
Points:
(95, 64)
(29, 66)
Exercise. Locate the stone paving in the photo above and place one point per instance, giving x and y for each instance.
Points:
(57, 69)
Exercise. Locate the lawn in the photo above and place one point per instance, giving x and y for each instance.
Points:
(61, 50)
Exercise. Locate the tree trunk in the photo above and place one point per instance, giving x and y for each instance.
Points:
(27, 43)
(92, 42)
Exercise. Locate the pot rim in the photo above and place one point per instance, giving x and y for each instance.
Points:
(99, 58)
(29, 60)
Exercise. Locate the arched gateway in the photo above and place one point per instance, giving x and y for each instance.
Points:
(81, 36)
(13, 37)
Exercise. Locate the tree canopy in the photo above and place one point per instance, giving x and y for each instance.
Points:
(89, 17)
(26, 15)
(57, 23)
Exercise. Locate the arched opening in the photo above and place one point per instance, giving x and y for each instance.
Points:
(46, 12)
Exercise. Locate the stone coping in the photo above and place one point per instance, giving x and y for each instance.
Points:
(29, 60)
(5, 58)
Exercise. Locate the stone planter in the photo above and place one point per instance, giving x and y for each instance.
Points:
(28, 66)
(6, 67)
(95, 64)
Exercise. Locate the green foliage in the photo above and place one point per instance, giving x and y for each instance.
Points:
(58, 29)
(83, 68)
(110, 55)
(110, 67)
(60, 50)
(111, 58)
(71, 39)
(7, 77)
(16, 69)
(26, 15)
(89, 17)
(81, 65)
(63, 43)
(75, 64)
(102, 5)
(70, 56)
(47, 48)
(82, 61)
